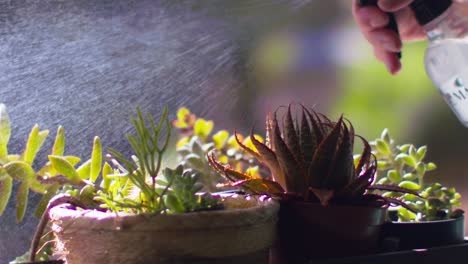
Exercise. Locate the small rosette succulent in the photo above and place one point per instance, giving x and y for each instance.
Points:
(311, 159)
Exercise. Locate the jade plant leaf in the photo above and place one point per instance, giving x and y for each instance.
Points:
(20, 171)
(59, 144)
(6, 186)
(84, 170)
(96, 160)
(35, 141)
(5, 132)
(65, 168)
(22, 201)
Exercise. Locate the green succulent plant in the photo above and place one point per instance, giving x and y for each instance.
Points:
(116, 184)
(197, 138)
(311, 159)
(404, 165)
(57, 174)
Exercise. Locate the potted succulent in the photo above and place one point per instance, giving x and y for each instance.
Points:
(436, 220)
(327, 205)
(135, 210)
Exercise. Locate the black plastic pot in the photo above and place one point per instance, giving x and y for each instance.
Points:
(312, 231)
(420, 235)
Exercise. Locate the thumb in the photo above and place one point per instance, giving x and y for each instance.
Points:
(393, 5)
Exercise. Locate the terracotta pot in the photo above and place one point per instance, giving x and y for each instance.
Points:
(419, 235)
(310, 230)
(224, 236)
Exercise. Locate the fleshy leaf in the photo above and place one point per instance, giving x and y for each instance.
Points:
(295, 180)
(342, 171)
(261, 186)
(220, 139)
(22, 201)
(5, 132)
(96, 160)
(50, 192)
(6, 186)
(20, 171)
(291, 136)
(65, 168)
(365, 156)
(307, 141)
(35, 141)
(323, 159)
(59, 145)
(84, 170)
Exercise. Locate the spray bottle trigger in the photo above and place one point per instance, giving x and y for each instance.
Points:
(391, 25)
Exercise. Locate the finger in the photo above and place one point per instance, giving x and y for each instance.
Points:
(393, 5)
(384, 39)
(370, 17)
(390, 59)
(410, 29)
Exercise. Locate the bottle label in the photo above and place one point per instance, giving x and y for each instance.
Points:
(455, 92)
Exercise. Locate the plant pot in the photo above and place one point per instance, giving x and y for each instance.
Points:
(224, 236)
(310, 230)
(45, 262)
(419, 235)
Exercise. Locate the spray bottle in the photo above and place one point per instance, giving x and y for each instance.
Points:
(446, 60)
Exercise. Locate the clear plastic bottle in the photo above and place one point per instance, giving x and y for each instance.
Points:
(446, 59)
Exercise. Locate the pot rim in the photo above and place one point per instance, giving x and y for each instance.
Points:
(432, 222)
(266, 210)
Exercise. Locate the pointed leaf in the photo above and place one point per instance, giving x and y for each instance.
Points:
(6, 186)
(106, 180)
(268, 157)
(318, 131)
(421, 153)
(220, 139)
(291, 136)
(35, 141)
(383, 147)
(308, 142)
(65, 168)
(295, 179)
(342, 171)
(365, 156)
(5, 132)
(269, 132)
(323, 159)
(22, 201)
(96, 160)
(59, 145)
(261, 186)
(252, 152)
(84, 170)
(20, 170)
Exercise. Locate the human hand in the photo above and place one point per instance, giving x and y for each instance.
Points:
(372, 21)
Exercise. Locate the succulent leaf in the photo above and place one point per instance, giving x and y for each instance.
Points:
(261, 186)
(6, 186)
(294, 177)
(324, 158)
(291, 137)
(22, 201)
